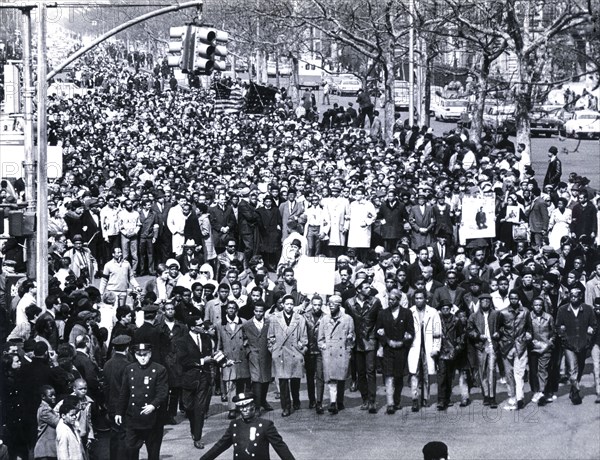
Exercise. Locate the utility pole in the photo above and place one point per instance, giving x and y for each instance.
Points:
(42, 161)
(411, 63)
(29, 165)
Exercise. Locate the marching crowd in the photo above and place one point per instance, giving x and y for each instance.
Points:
(216, 213)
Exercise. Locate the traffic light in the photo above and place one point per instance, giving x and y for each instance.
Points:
(210, 45)
(181, 48)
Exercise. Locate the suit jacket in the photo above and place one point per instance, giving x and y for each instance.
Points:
(443, 293)
(189, 356)
(251, 441)
(394, 217)
(89, 372)
(365, 321)
(417, 220)
(162, 216)
(538, 216)
(150, 224)
(247, 218)
(395, 329)
(220, 218)
(46, 439)
(476, 328)
(284, 210)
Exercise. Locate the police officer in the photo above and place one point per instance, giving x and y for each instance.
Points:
(113, 376)
(142, 399)
(249, 436)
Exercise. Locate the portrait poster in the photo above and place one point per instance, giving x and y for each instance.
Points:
(315, 275)
(478, 218)
(512, 214)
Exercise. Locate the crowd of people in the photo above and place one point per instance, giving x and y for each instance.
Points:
(176, 236)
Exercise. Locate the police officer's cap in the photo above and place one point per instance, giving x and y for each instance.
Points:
(121, 340)
(142, 347)
(243, 399)
(150, 308)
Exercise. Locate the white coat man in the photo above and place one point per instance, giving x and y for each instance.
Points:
(337, 209)
(109, 224)
(424, 349)
(336, 339)
(176, 224)
(362, 215)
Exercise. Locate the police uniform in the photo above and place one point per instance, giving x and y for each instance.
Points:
(250, 439)
(114, 369)
(143, 385)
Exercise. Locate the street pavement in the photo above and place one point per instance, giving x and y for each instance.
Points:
(556, 431)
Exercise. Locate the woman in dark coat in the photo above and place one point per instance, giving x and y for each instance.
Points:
(269, 233)
(12, 400)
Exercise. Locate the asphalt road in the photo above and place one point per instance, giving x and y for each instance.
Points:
(557, 431)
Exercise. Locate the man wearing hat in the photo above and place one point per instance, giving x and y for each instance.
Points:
(554, 171)
(250, 436)
(364, 309)
(113, 377)
(142, 403)
(482, 332)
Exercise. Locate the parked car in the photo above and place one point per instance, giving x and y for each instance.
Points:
(545, 120)
(449, 109)
(349, 87)
(583, 123)
(499, 118)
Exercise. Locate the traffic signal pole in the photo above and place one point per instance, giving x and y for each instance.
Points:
(36, 169)
(29, 164)
(41, 240)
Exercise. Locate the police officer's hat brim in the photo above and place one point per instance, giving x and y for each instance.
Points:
(243, 399)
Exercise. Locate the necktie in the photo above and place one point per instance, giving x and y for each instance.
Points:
(199, 342)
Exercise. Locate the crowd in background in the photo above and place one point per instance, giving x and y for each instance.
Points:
(176, 234)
